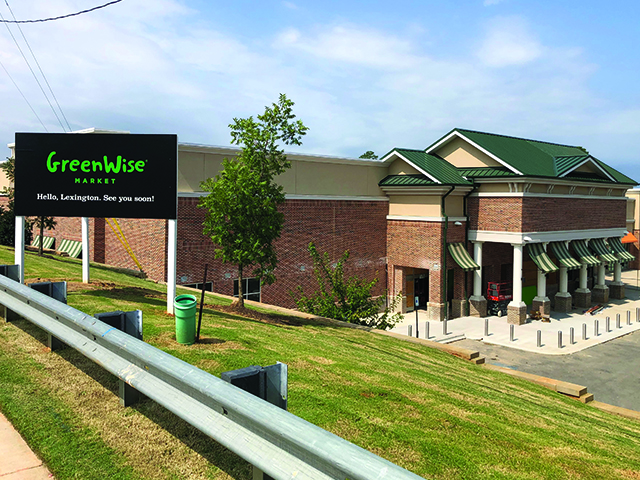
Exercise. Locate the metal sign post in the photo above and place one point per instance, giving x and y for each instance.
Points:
(416, 302)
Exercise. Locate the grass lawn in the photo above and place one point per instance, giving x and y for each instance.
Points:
(427, 411)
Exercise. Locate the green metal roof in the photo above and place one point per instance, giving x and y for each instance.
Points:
(405, 180)
(564, 163)
(486, 172)
(536, 158)
(435, 166)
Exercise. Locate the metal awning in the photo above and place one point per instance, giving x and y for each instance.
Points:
(462, 257)
(584, 254)
(602, 249)
(561, 252)
(540, 258)
(616, 245)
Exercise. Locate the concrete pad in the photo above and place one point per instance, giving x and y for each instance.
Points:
(525, 336)
(18, 461)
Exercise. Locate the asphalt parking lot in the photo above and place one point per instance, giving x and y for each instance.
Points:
(611, 371)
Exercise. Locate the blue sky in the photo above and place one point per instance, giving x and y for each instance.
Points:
(364, 75)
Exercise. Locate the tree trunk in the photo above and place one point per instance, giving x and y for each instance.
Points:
(41, 236)
(240, 303)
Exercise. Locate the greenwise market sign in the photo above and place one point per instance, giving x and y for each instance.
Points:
(96, 175)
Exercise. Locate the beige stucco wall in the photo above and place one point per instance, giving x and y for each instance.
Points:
(415, 205)
(4, 182)
(425, 205)
(459, 153)
(320, 177)
(400, 167)
(493, 187)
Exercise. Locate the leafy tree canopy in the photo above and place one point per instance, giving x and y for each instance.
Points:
(242, 216)
(369, 154)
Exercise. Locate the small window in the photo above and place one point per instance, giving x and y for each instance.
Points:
(208, 287)
(251, 289)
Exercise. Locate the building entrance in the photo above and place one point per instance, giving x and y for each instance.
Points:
(421, 289)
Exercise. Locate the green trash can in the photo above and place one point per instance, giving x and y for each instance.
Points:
(185, 310)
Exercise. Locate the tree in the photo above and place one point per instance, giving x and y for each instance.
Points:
(242, 216)
(346, 299)
(8, 216)
(369, 154)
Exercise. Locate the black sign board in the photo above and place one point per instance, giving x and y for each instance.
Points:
(96, 175)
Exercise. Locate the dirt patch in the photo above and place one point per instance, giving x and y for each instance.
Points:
(168, 340)
(322, 360)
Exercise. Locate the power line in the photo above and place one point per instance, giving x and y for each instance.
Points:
(25, 98)
(33, 73)
(62, 16)
(39, 68)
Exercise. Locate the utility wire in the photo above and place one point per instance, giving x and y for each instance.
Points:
(61, 16)
(25, 98)
(39, 68)
(33, 73)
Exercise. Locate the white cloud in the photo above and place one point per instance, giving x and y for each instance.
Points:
(509, 41)
(488, 3)
(290, 5)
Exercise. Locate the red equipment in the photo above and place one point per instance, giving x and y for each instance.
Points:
(499, 294)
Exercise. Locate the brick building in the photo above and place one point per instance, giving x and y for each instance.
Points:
(435, 225)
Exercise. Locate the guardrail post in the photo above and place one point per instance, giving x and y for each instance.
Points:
(571, 336)
(131, 324)
(269, 383)
(559, 338)
(539, 339)
(607, 324)
(12, 272)
(637, 314)
(426, 330)
(595, 328)
(511, 332)
(617, 320)
(628, 317)
(410, 330)
(486, 327)
(57, 291)
(444, 327)
(584, 331)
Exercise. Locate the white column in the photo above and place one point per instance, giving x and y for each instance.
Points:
(542, 287)
(583, 279)
(617, 274)
(564, 280)
(172, 248)
(19, 246)
(601, 275)
(517, 277)
(85, 250)
(477, 274)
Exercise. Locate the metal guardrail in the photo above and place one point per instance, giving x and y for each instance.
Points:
(277, 442)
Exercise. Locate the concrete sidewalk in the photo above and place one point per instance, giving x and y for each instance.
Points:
(17, 461)
(525, 336)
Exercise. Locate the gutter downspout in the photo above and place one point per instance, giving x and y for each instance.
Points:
(444, 251)
(466, 239)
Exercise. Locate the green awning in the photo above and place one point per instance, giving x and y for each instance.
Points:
(540, 258)
(584, 254)
(561, 252)
(616, 245)
(71, 247)
(48, 242)
(462, 257)
(602, 249)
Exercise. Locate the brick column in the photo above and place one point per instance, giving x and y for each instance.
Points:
(617, 286)
(600, 292)
(435, 305)
(477, 302)
(399, 279)
(517, 309)
(583, 294)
